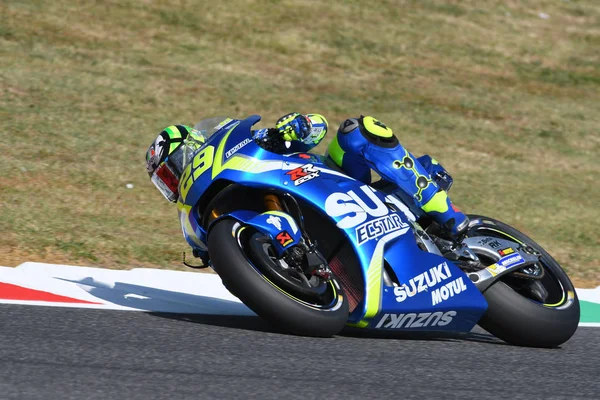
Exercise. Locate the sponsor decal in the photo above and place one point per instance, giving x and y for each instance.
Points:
(284, 238)
(505, 252)
(275, 221)
(447, 291)
(494, 269)
(314, 136)
(414, 320)
(505, 263)
(511, 261)
(423, 282)
(237, 147)
(490, 241)
(222, 124)
(354, 208)
(303, 174)
(379, 227)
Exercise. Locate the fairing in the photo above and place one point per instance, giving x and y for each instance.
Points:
(433, 293)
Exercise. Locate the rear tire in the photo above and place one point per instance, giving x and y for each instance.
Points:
(522, 322)
(266, 299)
(517, 319)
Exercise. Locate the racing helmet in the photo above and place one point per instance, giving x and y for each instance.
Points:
(309, 129)
(318, 129)
(165, 159)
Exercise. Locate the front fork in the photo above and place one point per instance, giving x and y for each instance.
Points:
(303, 253)
(283, 225)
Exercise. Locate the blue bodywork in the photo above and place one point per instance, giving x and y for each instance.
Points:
(434, 294)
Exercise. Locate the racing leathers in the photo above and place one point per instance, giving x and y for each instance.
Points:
(364, 144)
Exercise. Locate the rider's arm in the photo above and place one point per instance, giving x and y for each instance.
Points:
(293, 133)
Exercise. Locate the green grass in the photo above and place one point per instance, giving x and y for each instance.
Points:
(508, 101)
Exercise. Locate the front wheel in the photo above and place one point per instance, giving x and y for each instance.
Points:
(515, 314)
(243, 260)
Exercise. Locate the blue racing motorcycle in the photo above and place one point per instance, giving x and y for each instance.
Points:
(310, 249)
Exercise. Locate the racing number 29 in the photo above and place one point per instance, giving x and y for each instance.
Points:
(200, 164)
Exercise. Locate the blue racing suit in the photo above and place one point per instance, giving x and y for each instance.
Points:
(364, 144)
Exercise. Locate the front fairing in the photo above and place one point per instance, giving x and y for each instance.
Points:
(377, 233)
(433, 294)
(230, 154)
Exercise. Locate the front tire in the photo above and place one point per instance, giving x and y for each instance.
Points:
(520, 320)
(262, 295)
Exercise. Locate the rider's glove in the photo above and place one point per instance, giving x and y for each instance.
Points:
(293, 126)
(269, 139)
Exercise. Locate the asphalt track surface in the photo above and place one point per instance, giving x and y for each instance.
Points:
(68, 353)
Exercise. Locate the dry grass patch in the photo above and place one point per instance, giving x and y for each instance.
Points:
(505, 94)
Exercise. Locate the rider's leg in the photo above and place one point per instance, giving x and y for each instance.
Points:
(365, 143)
(399, 166)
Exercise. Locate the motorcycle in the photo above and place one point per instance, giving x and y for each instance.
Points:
(312, 250)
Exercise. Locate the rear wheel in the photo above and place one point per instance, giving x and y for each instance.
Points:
(516, 313)
(245, 261)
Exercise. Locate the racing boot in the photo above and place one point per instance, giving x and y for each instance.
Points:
(452, 221)
(453, 227)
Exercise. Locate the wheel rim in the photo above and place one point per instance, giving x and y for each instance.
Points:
(554, 281)
(324, 296)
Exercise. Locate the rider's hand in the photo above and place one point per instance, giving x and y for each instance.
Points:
(293, 126)
(269, 139)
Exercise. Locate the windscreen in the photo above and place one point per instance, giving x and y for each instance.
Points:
(201, 132)
(210, 125)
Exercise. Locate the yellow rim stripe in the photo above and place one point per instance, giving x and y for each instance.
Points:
(505, 234)
(562, 300)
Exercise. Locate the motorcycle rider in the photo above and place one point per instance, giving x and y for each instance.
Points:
(360, 145)
(363, 144)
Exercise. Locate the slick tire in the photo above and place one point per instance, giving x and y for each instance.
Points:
(522, 322)
(517, 319)
(263, 297)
